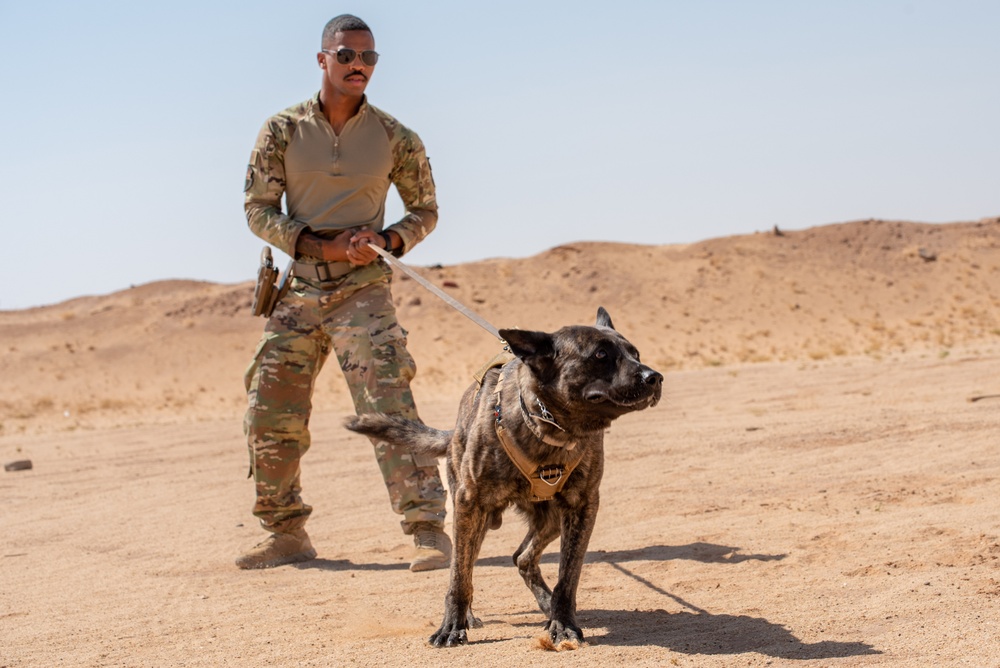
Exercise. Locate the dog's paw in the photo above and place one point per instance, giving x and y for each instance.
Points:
(449, 636)
(564, 635)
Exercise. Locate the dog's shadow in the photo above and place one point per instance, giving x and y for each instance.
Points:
(694, 631)
(704, 633)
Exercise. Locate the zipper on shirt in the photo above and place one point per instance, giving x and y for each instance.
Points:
(336, 138)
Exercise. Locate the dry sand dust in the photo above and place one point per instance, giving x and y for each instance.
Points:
(818, 488)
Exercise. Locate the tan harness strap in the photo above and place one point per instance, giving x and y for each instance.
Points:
(546, 480)
(499, 359)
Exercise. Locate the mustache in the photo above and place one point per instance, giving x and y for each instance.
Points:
(356, 74)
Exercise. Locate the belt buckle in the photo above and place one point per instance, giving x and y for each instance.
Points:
(319, 271)
(323, 272)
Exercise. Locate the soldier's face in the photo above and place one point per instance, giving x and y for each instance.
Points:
(350, 79)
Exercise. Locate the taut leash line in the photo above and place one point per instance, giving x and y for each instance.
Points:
(444, 296)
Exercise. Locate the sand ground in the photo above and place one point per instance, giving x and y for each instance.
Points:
(830, 504)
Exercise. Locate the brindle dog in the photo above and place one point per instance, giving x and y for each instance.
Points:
(546, 420)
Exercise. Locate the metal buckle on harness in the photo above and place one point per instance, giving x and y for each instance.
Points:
(550, 475)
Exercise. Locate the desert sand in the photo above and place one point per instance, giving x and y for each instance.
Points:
(818, 487)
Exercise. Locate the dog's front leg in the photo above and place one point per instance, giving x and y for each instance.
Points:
(577, 525)
(470, 529)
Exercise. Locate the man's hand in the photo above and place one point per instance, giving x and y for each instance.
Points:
(348, 246)
(330, 250)
(358, 252)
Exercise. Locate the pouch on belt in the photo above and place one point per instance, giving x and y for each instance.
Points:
(269, 290)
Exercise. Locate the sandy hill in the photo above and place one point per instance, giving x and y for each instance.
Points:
(175, 350)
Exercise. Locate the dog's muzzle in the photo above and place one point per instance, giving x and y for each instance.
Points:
(642, 393)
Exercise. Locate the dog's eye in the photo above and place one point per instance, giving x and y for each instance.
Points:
(600, 354)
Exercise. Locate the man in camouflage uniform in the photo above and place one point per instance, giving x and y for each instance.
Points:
(333, 157)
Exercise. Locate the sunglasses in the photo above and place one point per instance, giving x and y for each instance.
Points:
(346, 56)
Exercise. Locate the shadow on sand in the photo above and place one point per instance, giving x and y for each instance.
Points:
(348, 565)
(704, 633)
(703, 552)
(695, 631)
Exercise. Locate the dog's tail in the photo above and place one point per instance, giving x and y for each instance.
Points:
(400, 431)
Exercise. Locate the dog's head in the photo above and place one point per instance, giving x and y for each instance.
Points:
(589, 375)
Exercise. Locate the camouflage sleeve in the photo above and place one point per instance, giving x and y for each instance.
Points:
(411, 174)
(265, 184)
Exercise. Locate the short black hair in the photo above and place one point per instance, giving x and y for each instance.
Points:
(342, 23)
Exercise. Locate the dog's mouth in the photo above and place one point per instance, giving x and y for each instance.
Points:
(639, 401)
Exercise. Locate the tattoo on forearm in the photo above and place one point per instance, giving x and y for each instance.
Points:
(309, 244)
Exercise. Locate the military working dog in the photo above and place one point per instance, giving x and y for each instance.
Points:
(530, 433)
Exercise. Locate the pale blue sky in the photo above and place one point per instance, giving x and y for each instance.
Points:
(127, 125)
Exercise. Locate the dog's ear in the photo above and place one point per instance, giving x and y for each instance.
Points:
(603, 319)
(536, 349)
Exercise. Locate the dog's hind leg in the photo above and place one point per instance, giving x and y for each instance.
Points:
(543, 528)
(470, 530)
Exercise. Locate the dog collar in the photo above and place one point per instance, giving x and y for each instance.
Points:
(532, 419)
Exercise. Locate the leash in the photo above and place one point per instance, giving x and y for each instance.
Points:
(444, 296)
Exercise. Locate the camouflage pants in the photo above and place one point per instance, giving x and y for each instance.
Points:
(357, 320)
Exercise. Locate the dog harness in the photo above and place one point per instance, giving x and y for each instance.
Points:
(546, 480)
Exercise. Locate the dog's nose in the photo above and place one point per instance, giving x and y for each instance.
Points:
(651, 377)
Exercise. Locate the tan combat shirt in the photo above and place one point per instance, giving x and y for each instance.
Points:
(333, 183)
